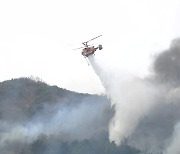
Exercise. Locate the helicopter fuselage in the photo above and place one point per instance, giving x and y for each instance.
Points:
(90, 50)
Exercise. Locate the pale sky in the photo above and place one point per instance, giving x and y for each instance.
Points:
(37, 37)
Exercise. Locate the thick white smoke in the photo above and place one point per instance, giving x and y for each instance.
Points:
(131, 96)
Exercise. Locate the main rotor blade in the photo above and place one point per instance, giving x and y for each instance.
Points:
(83, 47)
(93, 39)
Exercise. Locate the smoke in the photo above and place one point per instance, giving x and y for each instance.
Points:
(74, 121)
(146, 110)
(167, 65)
(174, 145)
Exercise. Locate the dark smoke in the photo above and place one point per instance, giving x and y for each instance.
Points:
(155, 131)
(167, 65)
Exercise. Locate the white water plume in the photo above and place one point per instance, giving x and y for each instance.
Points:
(131, 96)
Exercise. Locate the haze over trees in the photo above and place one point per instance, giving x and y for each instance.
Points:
(36, 118)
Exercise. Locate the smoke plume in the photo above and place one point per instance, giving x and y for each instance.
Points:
(146, 110)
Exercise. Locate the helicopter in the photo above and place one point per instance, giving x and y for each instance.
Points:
(89, 49)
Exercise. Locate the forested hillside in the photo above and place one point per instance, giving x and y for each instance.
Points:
(36, 118)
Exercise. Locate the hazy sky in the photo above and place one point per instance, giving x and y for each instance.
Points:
(37, 37)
